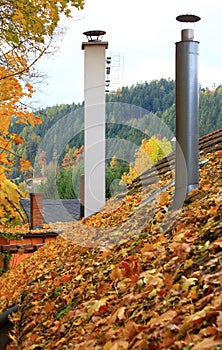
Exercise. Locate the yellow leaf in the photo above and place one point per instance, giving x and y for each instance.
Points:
(97, 304)
(187, 282)
(188, 263)
(11, 190)
(61, 341)
(108, 345)
(164, 198)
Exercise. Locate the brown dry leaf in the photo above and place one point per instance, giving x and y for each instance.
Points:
(141, 344)
(121, 313)
(130, 330)
(49, 306)
(206, 332)
(116, 274)
(218, 243)
(182, 250)
(168, 281)
(66, 278)
(164, 198)
(199, 316)
(202, 302)
(207, 344)
(219, 322)
(217, 301)
(163, 319)
(119, 345)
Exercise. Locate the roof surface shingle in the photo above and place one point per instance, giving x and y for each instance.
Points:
(56, 210)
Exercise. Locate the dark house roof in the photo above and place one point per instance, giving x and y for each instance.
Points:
(56, 210)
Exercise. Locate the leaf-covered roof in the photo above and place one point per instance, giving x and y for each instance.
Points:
(131, 277)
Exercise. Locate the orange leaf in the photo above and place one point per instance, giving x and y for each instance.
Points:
(213, 210)
(38, 120)
(182, 250)
(105, 253)
(147, 248)
(33, 337)
(25, 164)
(66, 278)
(168, 281)
(49, 306)
(164, 198)
(207, 187)
(116, 274)
(127, 269)
(134, 278)
(17, 139)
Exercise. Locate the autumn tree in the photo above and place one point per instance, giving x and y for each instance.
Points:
(148, 154)
(28, 28)
(114, 172)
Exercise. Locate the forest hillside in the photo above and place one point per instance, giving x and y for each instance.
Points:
(157, 97)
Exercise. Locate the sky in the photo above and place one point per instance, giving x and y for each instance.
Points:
(141, 37)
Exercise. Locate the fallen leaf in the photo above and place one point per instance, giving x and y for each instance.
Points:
(219, 322)
(121, 313)
(186, 283)
(163, 319)
(207, 344)
(49, 306)
(130, 330)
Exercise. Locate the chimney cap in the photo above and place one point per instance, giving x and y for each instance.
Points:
(188, 18)
(94, 35)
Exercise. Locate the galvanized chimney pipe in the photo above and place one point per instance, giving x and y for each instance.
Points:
(187, 115)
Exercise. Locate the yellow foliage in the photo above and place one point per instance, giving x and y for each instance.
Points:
(128, 178)
(71, 158)
(113, 163)
(10, 189)
(25, 164)
(148, 154)
(9, 201)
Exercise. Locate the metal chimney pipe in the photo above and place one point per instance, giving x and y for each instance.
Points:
(187, 112)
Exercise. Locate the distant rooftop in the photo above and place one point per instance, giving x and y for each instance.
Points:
(56, 210)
